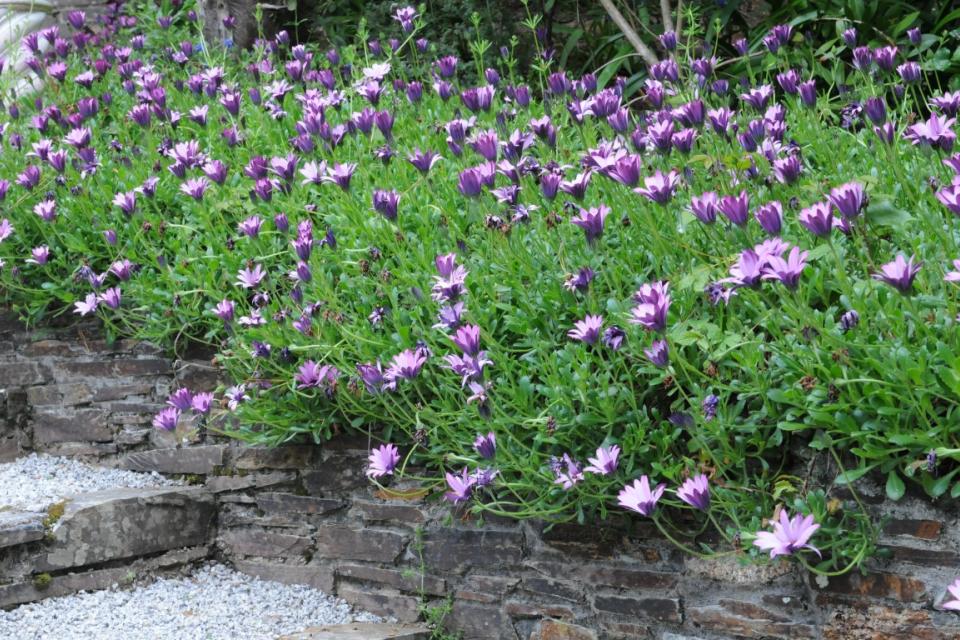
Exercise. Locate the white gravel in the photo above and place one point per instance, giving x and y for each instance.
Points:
(215, 603)
(35, 482)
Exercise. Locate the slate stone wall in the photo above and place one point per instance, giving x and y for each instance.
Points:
(307, 514)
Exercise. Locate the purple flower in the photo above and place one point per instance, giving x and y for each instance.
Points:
(250, 278)
(46, 210)
(704, 208)
(658, 353)
(748, 270)
(577, 187)
(587, 330)
(467, 339)
(87, 305)
(668, 40)
(470, 182)
(808, 93)
(579, 281)
(340, 175)
(224, 310)
(447, 66)
(571, 475)
(736, 208)
(605, 461)
(486, 445)
(759, 97)
(709, 407)
(817, 218)
(167, 419)
(406, 365)
(954, 590)
(613, 338)
(770, 217)
(849, 199)
(195, 187)
(787, 271)
(478, 98)
(660, 187)
(899, 273)
(591, 221)
(850, 37)
(787, 170)
(251, 226)
(202, 402)
(789, 535)
(385, 203)
(311, 374)
(652, 308)
(372, 376)
(638, 496)
(935, 132)
(849, 320)
(181, 399)
(461, 486)
(39, 255)
(29, 177)
(111, 297)
(885, 57)
(383, 460)
(216, 171)
(423, 161)
(695, 491)
(876, 110)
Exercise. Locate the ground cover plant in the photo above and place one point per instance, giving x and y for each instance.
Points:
(540, 300)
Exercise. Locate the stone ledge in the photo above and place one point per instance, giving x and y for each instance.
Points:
(127, 523)
(362, 631)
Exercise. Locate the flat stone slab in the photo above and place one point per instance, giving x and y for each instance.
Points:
(127, 523)
(201, 460)
(18, 527)
(362, 631)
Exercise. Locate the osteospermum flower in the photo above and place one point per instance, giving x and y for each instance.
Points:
(789, 535)
(899, 273)
(660, 187)
(251, 278)
(638, 496)
(605, 460)
(461, 486)
(953, 590)
(817, 218)
(953, 276)
(695, 491)
(167, 419)
(405, 365)
(86, 306)
(849, 199)
(787, 271)
(591, 221)
(383, 460)
(486, 445)
(654, 303)
(587, 330)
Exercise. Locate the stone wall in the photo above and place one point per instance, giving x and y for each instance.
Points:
(307, 514)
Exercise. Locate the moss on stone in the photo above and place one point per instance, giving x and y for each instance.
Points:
(54, 513)
(42, 581)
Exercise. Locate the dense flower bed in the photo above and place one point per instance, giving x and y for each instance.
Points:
(548, 302)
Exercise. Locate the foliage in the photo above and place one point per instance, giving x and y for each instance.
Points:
(757, 371)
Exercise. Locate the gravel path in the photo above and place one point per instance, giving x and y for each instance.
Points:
(35, 482)
(216, 603)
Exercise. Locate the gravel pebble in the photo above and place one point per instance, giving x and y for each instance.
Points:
(35, 482)
(215, 603)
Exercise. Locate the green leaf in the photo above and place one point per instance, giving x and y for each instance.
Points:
(895, 486)
(849, 476)
(884, 213)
